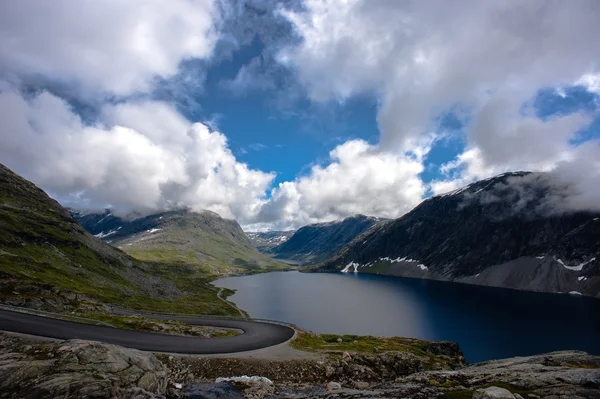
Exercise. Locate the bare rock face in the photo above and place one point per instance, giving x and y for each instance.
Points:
(79, 369)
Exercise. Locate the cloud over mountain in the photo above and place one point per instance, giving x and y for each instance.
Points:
(485, 61)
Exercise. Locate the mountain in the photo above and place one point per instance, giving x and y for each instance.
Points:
(317, 242)
(264, 241)
(204, 238)
(49, 261)
(508, 231)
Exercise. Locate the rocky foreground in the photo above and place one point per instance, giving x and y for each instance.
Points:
(37, 369)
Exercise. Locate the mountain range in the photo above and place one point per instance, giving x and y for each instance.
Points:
(265, 241)
(203, 238)
(318, 242)
(512, 230)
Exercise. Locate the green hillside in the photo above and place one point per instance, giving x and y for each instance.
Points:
(47, 260)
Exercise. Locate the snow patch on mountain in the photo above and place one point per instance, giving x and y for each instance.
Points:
(349, 265)
(103, 234)
(577, 268)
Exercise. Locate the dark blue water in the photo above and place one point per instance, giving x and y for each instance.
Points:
(488, 323)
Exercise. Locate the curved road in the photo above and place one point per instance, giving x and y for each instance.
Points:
(256, 335)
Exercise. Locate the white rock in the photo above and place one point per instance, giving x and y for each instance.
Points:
(334, 386)
(493, 393)
(245, 379)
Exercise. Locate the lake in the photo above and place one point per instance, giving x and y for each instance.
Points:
(488, 323)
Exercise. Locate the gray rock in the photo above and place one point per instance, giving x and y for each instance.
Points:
(334, 386)
(79, 369)
(493, 393)
(339, 340)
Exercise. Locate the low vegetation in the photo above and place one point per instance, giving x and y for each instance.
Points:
(311, 342)
(49, 262)
(333, 345)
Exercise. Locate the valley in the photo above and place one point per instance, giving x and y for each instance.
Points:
(144, 276)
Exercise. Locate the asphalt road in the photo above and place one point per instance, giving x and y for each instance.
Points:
(256, 335)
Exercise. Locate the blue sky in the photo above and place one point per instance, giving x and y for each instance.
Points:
(285, 113)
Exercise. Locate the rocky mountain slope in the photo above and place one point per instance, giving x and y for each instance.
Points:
(508, 231)
(317, 242)
(201, 238)
(264, 241)
(49, 261)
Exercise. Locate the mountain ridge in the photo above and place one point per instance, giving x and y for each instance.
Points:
(185, 236)
(317, 242)
(495, 232)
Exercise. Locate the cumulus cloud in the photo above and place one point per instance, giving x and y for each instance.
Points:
(419, 59)
(358, 178)
(109, 46)
(423, 58)
(144, 156)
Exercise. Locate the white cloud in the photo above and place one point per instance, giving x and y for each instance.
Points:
(423, 58)
(505, 137)
(419, 58)
(144, 157)
(108, 46)
(359, 178)
(591, 82)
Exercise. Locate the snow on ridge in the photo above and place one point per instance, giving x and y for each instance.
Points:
(577, 268)
(575, 293)
(582, 278)
(107, 215)
(102, 235)
(540, 257)
(404, 259)
(153, 230)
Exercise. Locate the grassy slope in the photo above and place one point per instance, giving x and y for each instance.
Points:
(45, 252)
(216, 244)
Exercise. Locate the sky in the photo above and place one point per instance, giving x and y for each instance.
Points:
(280, 114)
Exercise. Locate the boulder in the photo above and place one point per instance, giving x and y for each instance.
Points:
(493, 393)
(80, 369)
(253, 387)
(334, 386)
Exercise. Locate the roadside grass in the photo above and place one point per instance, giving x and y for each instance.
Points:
(311, 342)
(330, 344)
(174, 327)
